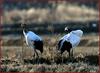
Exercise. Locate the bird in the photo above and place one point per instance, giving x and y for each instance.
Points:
(69, 41)
(32, 40)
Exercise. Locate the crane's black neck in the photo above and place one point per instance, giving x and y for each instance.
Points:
(68, 31)
(24, 28)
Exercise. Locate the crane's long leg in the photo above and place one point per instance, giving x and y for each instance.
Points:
(33, 48)
(37, 55)
(72, 52)
(34, 53)
(61, 57)
(69, 55)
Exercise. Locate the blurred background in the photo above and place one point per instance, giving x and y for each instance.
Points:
(48, 19)
(50, 14)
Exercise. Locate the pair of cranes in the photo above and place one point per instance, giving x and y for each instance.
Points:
(66, 43)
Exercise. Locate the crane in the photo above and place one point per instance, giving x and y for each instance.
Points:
(32, 40)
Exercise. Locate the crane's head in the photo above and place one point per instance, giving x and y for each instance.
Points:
(66, 29)
(23, 26)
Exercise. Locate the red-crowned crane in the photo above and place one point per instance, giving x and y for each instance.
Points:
(33, 40)
(70, 41)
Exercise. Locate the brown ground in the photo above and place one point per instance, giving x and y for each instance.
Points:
(85, 57)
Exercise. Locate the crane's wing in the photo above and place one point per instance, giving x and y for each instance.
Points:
(32, 36)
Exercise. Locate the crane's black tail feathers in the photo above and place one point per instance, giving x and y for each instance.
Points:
(66, 46)
(39, 45)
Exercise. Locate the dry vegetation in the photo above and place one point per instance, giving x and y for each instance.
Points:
(63, 12)
(85, 57)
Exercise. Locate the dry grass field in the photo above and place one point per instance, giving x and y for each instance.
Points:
(14, 59)
(18, 57)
